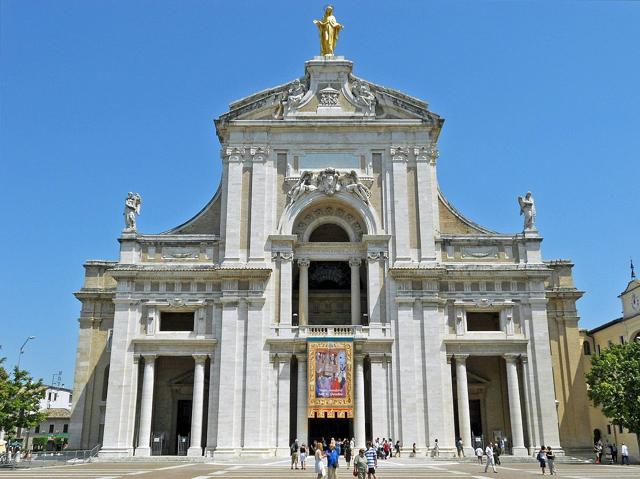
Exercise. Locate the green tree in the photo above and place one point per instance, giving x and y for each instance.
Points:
(614, 384)
(19, 399)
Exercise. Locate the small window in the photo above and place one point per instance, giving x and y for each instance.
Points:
(608, 428)
(65, 428)
(50, 428)
(176, 321)
(598, 348)
(621, 339)
(483, 321)
(37, 430)
(105, 383)
(586, 347)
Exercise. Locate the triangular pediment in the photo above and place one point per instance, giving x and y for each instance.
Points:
(329, 90)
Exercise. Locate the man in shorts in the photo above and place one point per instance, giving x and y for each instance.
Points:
(372, 461)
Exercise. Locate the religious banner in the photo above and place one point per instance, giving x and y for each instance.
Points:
(330, 378)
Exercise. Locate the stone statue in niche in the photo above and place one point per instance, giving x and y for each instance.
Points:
(363, 95)
(131, 209)
(528, 209)
(304, 185)
(329, 181)
(356, 187)
(290, 99)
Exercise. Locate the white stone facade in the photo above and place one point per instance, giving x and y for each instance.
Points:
(328, 222)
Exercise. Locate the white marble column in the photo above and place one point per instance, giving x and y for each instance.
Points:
(462, 387)
(527, 404)
(303, 292)
(285, 288)
(515, 412)
(427, 200)
(399, 158)
(358, 413)
(379, 405)
(233, 158)
(195, 448)
(302, 417)
(374, 285)
(355, 291)
(146, 406)
(259, 204)
(284, 404)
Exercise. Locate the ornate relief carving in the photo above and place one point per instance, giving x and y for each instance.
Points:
(290, 99)
(304, 185)
(399, 153)
(354, 262)
(427, 153)
(304, 262)
(329, 181)
(377, 256)
(329, 97)
(259, 153)
(235, 153)
(302, 223)
(356, 187)
(479, 251)
(282, 256)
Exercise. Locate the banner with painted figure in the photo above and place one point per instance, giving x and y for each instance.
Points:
(330, 385)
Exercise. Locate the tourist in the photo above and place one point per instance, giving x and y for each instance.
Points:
(542, 459)
(397, 447)
(413, 450)
(496, 454)
(436, 449)
(372, 461)
(387, 449)
(294, 454)
(614, 453)
(479, 454)
(319, 466)
(490, 461)
(347, 452)
(303, 455)
(352, 444)
(332, 460)
(624, 450)
(551, 458)
(360, 464)
(501, 445)
(459, 447)
(338, 446)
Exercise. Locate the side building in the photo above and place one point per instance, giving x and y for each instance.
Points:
(619, 331)
(327, 289)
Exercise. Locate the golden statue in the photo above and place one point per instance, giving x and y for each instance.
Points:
(329, 30)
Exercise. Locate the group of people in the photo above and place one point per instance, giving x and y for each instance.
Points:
(492, 451)
(364, 463)
(386, 448)
(599, 449)
(545, 458)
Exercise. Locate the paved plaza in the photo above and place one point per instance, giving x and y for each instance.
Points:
(393, 469)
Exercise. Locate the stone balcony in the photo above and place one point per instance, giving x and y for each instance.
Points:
(332, 331)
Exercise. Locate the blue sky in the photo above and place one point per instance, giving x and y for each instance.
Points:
(104, 97)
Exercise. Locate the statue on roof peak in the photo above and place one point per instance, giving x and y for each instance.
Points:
(329, 29)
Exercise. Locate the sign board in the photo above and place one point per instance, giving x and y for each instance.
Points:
(330, 378)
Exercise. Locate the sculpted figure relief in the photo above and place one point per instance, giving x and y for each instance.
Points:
(329, 30)
(357, 188)
(291, 98)
(131, 209)
(304, 185)
(528, 209)
(363, 95)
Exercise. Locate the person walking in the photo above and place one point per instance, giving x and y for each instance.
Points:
(413, 450)
(303, 455)
(542, 459)
(397, 447)
(551, 458)
(436, 449)
(459, 447)
(372, 461)
(347, 452)
(332, 461)
(479, 454)
(496, 454)
(614, 453)
(490, 460)
(319, 465)
(624, 450)
(294, 454)
(360, 464)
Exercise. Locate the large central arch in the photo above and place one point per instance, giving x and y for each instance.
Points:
(364, 214)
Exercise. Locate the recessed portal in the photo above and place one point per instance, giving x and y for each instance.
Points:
(338, 428)
(183, 426)
(329, 233)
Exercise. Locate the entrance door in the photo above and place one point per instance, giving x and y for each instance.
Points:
(183, 421)
(338, 428)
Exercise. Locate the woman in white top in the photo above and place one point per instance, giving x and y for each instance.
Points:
(318, 457)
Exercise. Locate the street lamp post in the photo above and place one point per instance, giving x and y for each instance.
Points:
(22, 348)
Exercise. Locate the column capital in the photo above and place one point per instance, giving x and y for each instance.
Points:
(359, 357)
(301, 357)
(354, 262)
(148, 357)
(523, 358)
(460, 358)
(304, 262)
(511, 357)
(200, 358)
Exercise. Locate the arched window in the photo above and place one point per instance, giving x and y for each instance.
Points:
(105, 383)
(329, 232)
(586, 347)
